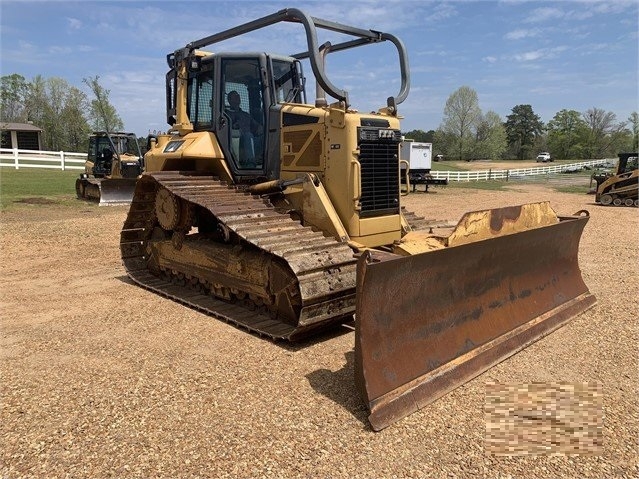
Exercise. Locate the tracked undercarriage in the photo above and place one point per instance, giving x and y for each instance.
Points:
(235, 256)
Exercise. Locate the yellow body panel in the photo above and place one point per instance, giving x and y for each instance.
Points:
(381, 230)
(197, 152)
(329, 149)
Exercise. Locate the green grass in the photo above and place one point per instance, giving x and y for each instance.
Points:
(582, 190)
(55, 186)
(447, 166)
(37, 184)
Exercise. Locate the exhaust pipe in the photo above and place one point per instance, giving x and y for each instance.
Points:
(320, 94)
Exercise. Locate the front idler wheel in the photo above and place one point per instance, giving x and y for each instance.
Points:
(167, 209)
(173, 213)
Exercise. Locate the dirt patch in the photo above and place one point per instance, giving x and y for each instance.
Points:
(102, 378)
(37, 200)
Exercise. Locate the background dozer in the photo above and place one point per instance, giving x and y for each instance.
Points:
(284, 217)
(622, 187)
(114, 162)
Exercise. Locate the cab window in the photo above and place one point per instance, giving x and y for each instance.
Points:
(244, 111)
(200, 102)
(288, 87)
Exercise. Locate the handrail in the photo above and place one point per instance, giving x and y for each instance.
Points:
(311, 24)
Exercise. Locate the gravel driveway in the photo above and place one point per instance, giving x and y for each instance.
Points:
(100, 378)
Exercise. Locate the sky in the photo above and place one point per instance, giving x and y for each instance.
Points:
(573, 55)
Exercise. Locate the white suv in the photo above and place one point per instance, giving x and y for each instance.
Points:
(543, 157)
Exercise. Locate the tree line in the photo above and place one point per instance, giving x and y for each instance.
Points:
(65, 113)
(466, 133)
(67, 116)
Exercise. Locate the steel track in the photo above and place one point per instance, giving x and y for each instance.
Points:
(323, 267)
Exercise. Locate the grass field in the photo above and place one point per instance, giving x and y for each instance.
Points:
(35, 185)
(41, 186)
(456, 165)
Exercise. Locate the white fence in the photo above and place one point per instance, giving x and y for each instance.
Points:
(61, 160)
(517, 172)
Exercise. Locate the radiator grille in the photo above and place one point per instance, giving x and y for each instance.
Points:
(379, 159)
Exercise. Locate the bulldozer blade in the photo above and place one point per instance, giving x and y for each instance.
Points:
(116, 191)
(428, 323)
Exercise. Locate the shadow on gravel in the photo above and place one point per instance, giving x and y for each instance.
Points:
(339, 387)
(329, 333)
(125, 279)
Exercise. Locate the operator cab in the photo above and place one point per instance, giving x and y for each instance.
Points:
(627, 163)
(238, 97)
(101, 155)
(124, 148)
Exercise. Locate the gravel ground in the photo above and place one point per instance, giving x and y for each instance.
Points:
(100, 378)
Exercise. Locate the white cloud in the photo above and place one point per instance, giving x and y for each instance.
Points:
(24, 45)
(58, 50)
(489, 59)
(442, 12)
(544, 14)
(74, 23)
(543, 53)
(529, 56)
(437, 53)
(585, 10)
(611, 7)
(522, 33)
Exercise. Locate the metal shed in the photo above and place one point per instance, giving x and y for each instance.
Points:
(24, 136)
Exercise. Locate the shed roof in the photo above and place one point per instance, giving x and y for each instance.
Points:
(18, 126)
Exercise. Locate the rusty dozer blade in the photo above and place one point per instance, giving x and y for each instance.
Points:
(116, 191)
(428, 323)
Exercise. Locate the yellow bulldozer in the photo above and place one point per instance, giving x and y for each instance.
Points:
(114, 162)
(284, 217)
(622, 187)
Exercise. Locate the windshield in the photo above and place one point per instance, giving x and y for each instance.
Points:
(288, 84)
(126, 145)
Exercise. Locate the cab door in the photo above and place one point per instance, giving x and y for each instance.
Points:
(242, 122)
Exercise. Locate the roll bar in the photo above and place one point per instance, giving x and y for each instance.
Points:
(311, 24)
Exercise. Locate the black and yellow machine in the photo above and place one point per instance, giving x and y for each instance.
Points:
(622, 187)
(114, 162)
(284, 218)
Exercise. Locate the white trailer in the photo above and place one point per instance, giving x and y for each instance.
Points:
(419, 157)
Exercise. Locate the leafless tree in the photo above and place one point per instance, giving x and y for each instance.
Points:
(461, 115)
(603, 130)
